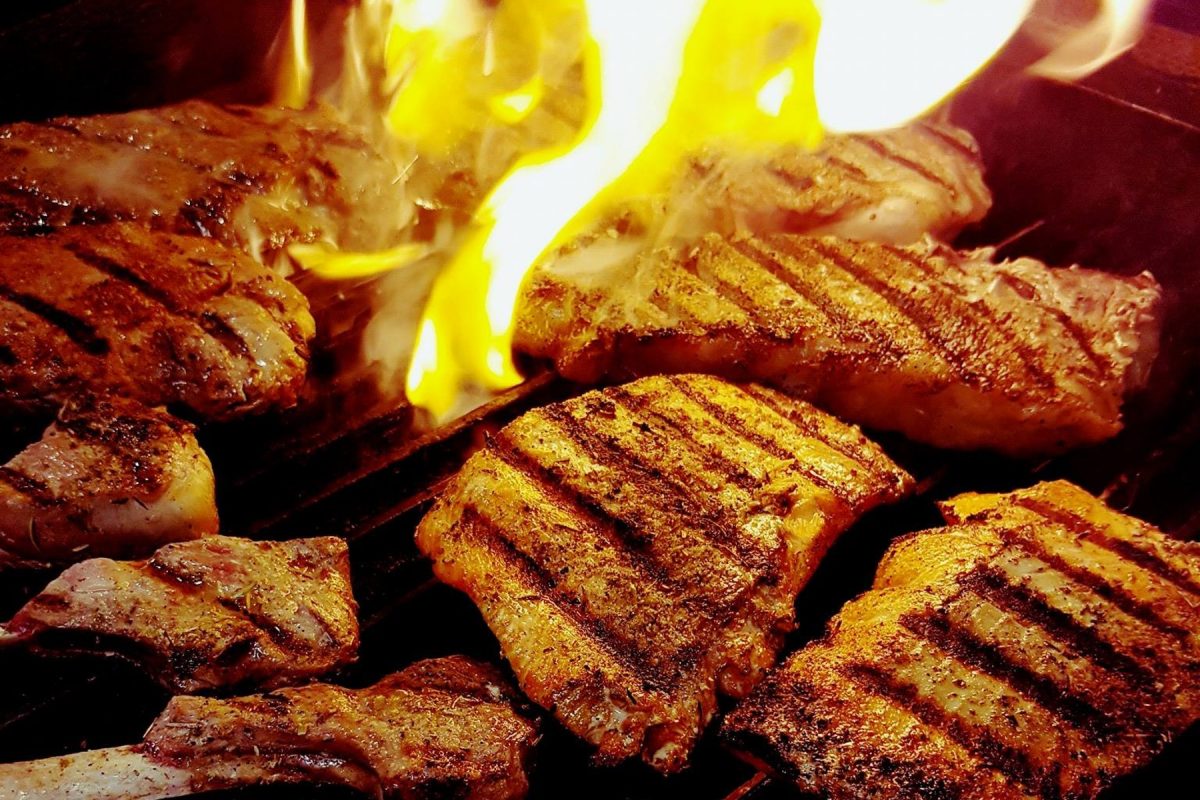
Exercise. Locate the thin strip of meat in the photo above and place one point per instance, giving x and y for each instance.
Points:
(257, 178)
(167, 320)
(211, 614)
(441, 728)
(639, 548)
(946, 347)
(110, 478)
(1041, 647)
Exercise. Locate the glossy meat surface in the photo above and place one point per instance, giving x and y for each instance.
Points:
(1040, 647)
(945, 347)
(639, 548)
(109, 478)
(164, 319)
(211, 614)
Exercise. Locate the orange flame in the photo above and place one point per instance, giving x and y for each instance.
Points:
(293, 85)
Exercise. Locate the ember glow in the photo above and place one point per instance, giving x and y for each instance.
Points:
(660, 80)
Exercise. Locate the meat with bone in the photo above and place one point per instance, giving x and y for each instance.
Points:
(893, 186)
(441, 728)
(946, 347)
(640, 547)
(110, 477)
(164, 319)
(210, 614)
(257, 178)
(1041, 647)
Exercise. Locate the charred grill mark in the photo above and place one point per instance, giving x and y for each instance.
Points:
(808, 428)
(989, 320)
(208, 321)
(630, 654)
(922, 319)
(848, 169)
(1019, 601)
(33, 488)
(670, 495)
(621, 533)
(975, 739)
(1068, 323)
(77, 330)
(797, 183)
(1058, 700)
(764, 443)
(1118, 596)
(883, 151)
(1096, 534)
(754, 310)
(949, 140)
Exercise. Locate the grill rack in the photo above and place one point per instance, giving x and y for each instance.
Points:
(374, 480)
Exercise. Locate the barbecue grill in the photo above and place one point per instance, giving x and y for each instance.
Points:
(1102, 172)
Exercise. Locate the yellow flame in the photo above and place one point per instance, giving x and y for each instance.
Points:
(662, 78)
(293, 86)
(331, 263)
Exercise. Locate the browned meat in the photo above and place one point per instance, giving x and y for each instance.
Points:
(258, 178)
(209, 614)
(945, 347)
(1041, 647)
(639, 547)
(893, 186)
(164, 319)
(110, 478)
(445, 728)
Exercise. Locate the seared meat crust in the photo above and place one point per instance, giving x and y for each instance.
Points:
(211, 614)
(110, 477)
(640, 547)
(257, 178)
(164, 319)
(945, 347)
(1041, 647)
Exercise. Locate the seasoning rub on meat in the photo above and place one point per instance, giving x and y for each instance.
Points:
(1040, 647)
(946, 347)
(110, 477)
(215, 613)
(257, 178)
(639, 548)
(167, 320)
(441, 728)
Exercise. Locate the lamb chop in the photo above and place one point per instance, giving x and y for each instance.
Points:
(946, 347)
(164, 319)
(892, 186)
(256, 178)
(209, 614)
(638, 548)
(440, 728)
(110, 477)
(1042, 646)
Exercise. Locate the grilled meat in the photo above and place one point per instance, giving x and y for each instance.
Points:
(441, 728)
(208, 614)
(945, 347)
(164, 319)
(257, 178)
(109, 478)
(640, 547)
(893, 186)
(1041, 647)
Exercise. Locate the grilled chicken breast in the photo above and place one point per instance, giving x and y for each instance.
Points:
(109, 478)
(945, 347)
(439, 729)
(893, 186)
(164, 319)
(209, 614)
(640, 547)
(258, 178)
(1041, 647)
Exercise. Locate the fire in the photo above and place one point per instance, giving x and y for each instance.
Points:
(293, 87)
(660, 80)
